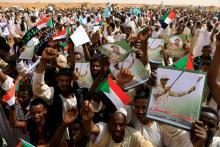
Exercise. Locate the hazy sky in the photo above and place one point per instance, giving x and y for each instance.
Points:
(171, 2)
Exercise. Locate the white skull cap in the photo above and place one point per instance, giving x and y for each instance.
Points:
(123, 111)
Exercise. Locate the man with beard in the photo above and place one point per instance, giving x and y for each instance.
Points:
(115, 133)
(61, 97)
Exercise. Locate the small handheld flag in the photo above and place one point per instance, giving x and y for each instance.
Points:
(107, 12)
(185, 63)
(167, 18)
(117, 96)
(9, 97)
(23, 143)
(45, 22)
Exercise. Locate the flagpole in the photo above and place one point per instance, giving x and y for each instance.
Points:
(177, 78)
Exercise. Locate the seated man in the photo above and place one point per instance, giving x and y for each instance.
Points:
(115, 133)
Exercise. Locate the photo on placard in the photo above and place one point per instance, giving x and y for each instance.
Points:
(117, 51)
(175, 45)
(82, 70)
(176, 99)
(154, 50)
(137, 69)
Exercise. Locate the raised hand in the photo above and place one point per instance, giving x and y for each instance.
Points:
(70, 116)
(76, 74)
(87, 111)
(49, 53)
(198, 134)
(124, 76)
(192, 89)
(145, 34)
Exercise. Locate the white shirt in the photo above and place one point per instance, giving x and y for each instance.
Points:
(43, 91)
(152, 133)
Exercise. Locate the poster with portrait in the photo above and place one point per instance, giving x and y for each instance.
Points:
(137, 69)
(176, 99)
(117, 51)
(175, 45)
(154, 48)
(82, 70)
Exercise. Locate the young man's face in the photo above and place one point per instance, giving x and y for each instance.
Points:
(117, 127)
(206, 51)
(210, 121)
(95, 68)
(23, 98)
(140, 108)
(64, 82)
(76, 133)
(109, 30)
(37, 113)
(128, 31)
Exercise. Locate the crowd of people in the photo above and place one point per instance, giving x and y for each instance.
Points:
(51, 109)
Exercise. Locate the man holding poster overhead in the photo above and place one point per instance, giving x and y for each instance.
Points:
(162, 91)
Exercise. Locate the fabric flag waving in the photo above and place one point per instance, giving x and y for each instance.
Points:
(9, 97)
(64, 45)
(45, 22)
(135, 11)
(62, 35)
(30, 34)
(23, 143)
(28, 52)
(167, 18)
(185, 63)
(117, 96)
(107, 12)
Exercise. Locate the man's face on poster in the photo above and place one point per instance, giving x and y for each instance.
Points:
(177, 42)
(115, 49)
(163, 82)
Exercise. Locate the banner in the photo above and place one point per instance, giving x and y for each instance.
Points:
(30, 34)
(43, 42)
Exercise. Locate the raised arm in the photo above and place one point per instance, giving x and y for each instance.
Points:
(214, 73)
(40, 88)
(6, 82)
(180, 94)
(86, 52)
(87, 113)
(13, 121)
(69, 117)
